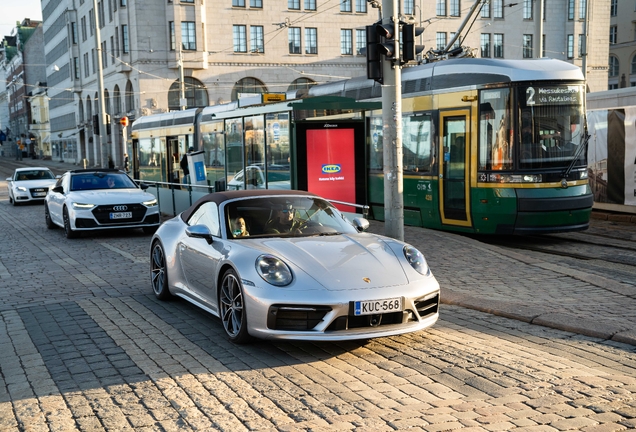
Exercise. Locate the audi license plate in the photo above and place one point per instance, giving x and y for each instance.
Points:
(39, 194)
(371, 307)
(121, 215)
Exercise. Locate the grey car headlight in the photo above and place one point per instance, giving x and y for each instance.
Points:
(416, 259)
(273, 270)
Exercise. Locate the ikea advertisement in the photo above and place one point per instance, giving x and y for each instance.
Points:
(331, 164)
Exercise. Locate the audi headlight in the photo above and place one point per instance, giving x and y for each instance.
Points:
(273, 270)
(21, 188)
(150, 203)
(416, 259)
(82, 206)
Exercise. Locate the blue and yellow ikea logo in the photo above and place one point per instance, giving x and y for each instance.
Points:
(331, 169)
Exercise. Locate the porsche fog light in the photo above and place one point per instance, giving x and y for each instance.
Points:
(273, 270)
(150, 203)
(416, 259)
(81, 206)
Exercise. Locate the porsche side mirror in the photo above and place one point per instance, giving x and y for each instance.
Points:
(58, 189)
(361, 224)
(199, 231)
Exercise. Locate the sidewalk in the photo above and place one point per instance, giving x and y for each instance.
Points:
(533, 288)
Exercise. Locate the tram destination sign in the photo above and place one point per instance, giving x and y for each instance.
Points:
(553, 95)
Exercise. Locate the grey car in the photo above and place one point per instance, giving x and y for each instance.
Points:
(289, 265)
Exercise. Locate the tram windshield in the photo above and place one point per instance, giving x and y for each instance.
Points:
(545, 130)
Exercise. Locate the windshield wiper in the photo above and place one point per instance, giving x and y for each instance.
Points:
(579, 150)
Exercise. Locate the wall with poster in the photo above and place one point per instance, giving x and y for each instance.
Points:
(331, 161)
(612, 157)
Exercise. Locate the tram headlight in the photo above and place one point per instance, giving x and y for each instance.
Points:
(583, 175)
(416, 260)
(532, 178)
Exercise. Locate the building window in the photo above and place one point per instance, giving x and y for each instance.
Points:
(87, 70)
(76, 68)
(239, 36)
(74, 32)
(125, 47)
(633, 70)
(123, 3)
(83, 21)
(256, 39)
(100, 8)
(293, 4)
(581, 45)
(454, 8)
(188, 36)
(485, 10)
(294, 40)
(570, 9)
(543, 46)
(361, 41)
(195, 93)
(613, 35)
(93, 61)
(440, 39)
(570, 46)
(458, 41)
(527, 9)
(311, 40)
(440, 8)
(187, 1)
(104, 54)
(613, 67)
(310, 4)
(345, 6)
(485, 45)
(172, 35)
(91, 19)
(346, 42)
(110, 10)
(582, 10)
(238, 3)
(497, 8)
(408, 6)
(258, 4)
(498, 47)
(361, 6)
(117, 40)
(112, 50)
(527, 46)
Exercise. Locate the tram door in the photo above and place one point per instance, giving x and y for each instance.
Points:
(173, 157)
(453, 190)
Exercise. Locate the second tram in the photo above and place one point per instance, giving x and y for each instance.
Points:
(489, 146)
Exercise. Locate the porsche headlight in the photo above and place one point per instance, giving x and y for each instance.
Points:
(81, 206)
(273, 270)
(416, 259)
(21, 188)
(150, 203)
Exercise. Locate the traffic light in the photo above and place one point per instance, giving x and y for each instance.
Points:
(374, 58)
(387, 44)
(108, 131)
(409, 49)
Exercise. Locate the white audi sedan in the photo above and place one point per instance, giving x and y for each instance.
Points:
(98, 199)
(29, 184)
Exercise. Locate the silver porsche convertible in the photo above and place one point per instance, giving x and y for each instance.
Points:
(289, 265)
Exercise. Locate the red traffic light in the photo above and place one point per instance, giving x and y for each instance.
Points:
(123, 121)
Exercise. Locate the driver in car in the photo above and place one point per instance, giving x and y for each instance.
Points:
(282, 221)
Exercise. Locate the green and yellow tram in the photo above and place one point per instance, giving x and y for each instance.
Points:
(489, 146)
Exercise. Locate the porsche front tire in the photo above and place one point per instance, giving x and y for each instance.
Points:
(232, 308)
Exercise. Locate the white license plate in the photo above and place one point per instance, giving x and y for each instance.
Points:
(36, 194)
(371, 307)
(121, 215)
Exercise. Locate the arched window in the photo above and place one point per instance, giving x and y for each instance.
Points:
(130, 97)
(613, 66)
(89, 109)
(301, 83)
(80, 110)
(195, 94)
(248, 85)
(116, 101)
(107, 101)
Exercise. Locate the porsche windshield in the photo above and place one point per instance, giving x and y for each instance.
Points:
(284, 216)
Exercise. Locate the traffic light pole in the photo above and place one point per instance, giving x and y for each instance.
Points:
(392, 132)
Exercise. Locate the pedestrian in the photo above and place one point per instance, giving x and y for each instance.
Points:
(184, 166)
(18, 155)
(126, 163)
(111, 164)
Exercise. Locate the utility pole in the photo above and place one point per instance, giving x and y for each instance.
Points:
(538, 12)
(103, 134)
(182, 99)
(392, 131)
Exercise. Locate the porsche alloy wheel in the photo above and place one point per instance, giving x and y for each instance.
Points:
(232, 308)
(158, 275)
(70, 234)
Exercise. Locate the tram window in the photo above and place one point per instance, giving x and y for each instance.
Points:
(417, 144)
(376, 149)
(495, 129)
